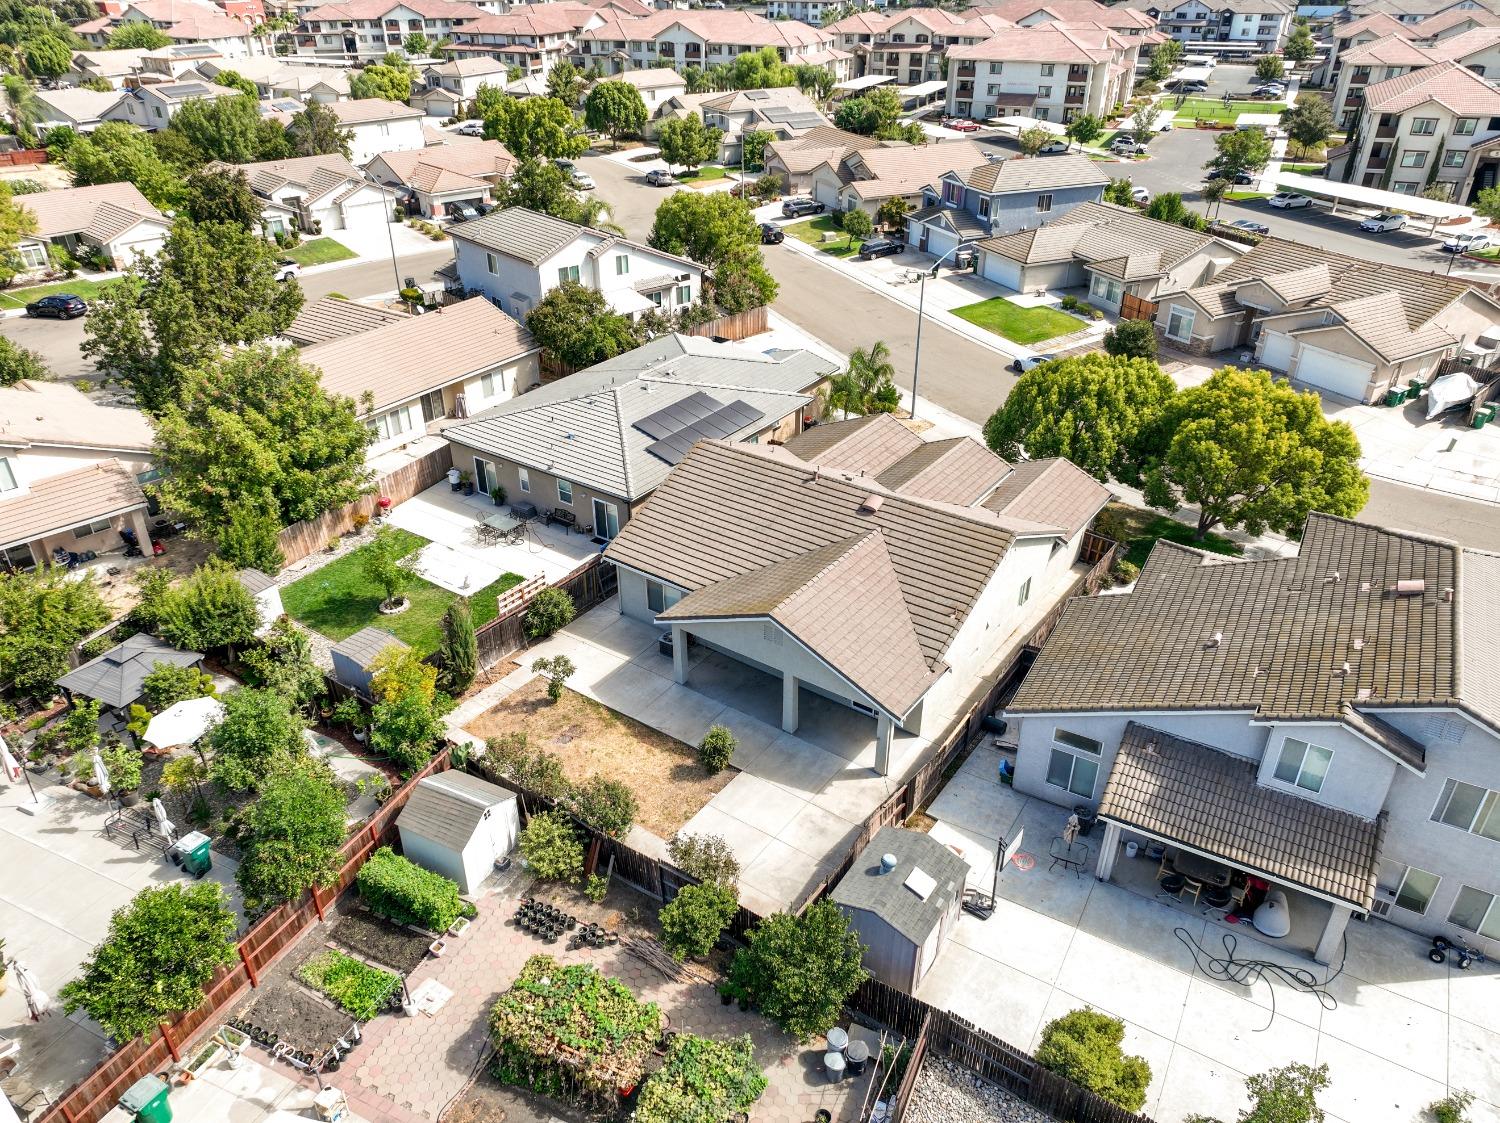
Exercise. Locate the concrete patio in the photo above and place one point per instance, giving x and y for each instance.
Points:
(1398, 1032)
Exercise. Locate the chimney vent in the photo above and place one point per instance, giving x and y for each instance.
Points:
(1345, 669)
(887, 863)
(1448, 594)
(1412, 587)
(870, 504)
(1334, 578)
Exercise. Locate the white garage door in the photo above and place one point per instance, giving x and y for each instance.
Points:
(1335, 373)
(364, 216)
(1276, 351)
(1003, 271)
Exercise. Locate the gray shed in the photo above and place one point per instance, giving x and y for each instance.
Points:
(353, 657)
(115, 677)
(267, 594)
(902, 895)
(457, 825)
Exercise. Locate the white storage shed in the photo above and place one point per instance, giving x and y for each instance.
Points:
(456, 825)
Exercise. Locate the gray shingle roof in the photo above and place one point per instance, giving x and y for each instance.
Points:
(115, 677)
(865, 887)
(365, 645)
(1209, 800)
(1039, 173)
(448, 807)
(533, 237)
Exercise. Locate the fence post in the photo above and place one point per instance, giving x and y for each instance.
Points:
(166, 1035)
(317, 899)
(249, 967)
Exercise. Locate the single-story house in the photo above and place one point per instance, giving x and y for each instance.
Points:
(902, 896)
(331, 317)
(379, 126)
(452, 86)
(430, 179)
(117, 677)
(598, 442)
(456, 825)
(317, 195)
(795, 160)
(77, 109)
(152, 107)
(267, 595)
(866, 178)
(114, 219)
(354, 657)
(451, 362)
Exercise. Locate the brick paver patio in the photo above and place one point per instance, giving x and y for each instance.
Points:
(412, 1068)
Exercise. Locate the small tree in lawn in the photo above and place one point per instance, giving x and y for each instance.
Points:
(857, 225)
(1084, 1046)
(1084, 129)
(161, 951)
(556, 669)
(716, 748)
(1131, 339)
(460, 649)
(548, 611)
(291, 835)
(692, 922)
(800, 970)
(687, 142)
(615, 108)
(551, 847)
(380, 561)
(1269, 67)
(1033, 140)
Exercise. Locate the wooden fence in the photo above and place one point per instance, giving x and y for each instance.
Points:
(267, 940)
(740, 325)
(301, 539)
(22, 157)
(502, 637)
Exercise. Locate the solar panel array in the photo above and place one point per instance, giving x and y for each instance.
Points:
(674, 429)
(796, 118)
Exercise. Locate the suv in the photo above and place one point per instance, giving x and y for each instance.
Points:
(796, 208)
(880, 247)
(660, 177)
(771, 234)
(1127, 146)
(61, 306)
(461, 212)
(1383, 222)
(470, 128)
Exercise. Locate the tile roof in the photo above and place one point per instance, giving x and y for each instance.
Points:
(116, 678)
(532, 237)
(483, 159)
(533, 19)
(959, 470)
(653, 78)
(1380, 322)
(448, 808)
(469, 67)
(1047, 42)
(1208, 800)
(1450, 84)
(867, 888)
(1454, 17)
(966, 224)
(376, 9)
(1378, 24)
(76, 104)
(366, 111)
(1072, 11)
(1479, 653)
(739, 28)
(868, 444)
(906, 169)
(315, 175)
(56, 414)
(1391, 50)
(405, 358)
(331, 318)
(194, 29)
(72, 210)
(1466, 43)
(1040, 173)
(1100, 232)
(1054, 491)
(95, 491)
(1301, 284)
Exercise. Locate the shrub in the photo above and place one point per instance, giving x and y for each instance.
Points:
(360, 990)
(691, 923)
(1125, 571)
(168, 684)
(1069, 303)
(606, 805)
(406, 893)
(291, 835)
(800, 970)
(1134, 339)
(97, 646)
(557, 668)
(548, 611)
(701, 1081)
(348, 713)
(596, 888)
(716, 748)
(541, 772)
(706, 857)
(1084, 1046)
(1452, 1108)
(551, 847)
(124, 766)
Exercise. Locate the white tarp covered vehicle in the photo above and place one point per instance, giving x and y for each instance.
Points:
(1449, 391)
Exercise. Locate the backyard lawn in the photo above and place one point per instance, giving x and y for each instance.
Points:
(1140, 528)
(812, 232)
(1022, 325)
(1212, 109)
(319, 251)
(669, 783)
(338, 600)
(78, 286)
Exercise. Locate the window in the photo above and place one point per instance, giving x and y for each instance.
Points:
(98, 526)
(1475, 910)
(7, 476)
(1047, 69)
(659, 598)
(525, 479)
(1040, 113)
(1044, 91)
(996, 67)
(1454, 159)
(1106, 289)
(1302, 764)
(1075, 91)
(565, 492)
(952, 193)
(1465, 126)
(34, 255)
(1044, 203)
(993, 89)
(1074, 773)
(389, 425)
(156, 112)
(984, 206)
(1469, 808)
(491, 264)
(1025, 594)
(1404, 187)
(567, 273)
(622, 264)
(1413, 887)
(684, 294)
(489, 383)
(1413, 159)
(1423, 126)
(1180, 324)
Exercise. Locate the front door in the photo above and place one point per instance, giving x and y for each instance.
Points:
(606, 519)
(485, 479)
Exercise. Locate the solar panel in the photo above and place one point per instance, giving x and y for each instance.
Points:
(678, 415)
(724, 421)
(757, 95)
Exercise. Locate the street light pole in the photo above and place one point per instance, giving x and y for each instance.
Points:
(391, 238)
(916, 363)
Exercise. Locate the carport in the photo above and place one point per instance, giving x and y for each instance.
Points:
(860, 85)
(922, 94)
(1356, 195)
(1021, 123)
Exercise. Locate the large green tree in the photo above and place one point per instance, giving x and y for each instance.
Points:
(212, 284)
(42, 615)
(48, 56)
(1254, 454)
(1309, 123)
(615, 108)
(16, 222)
(800, 970)
(17, 362)
(686, 142)
(316, 132)
(260, 733)
(1090, 409)
(258, 427)
(565, 83)
(161, 951)
(391, 79)
(138, 35)
(542, 186)
(1300, 45)
(209, 610)
(1240, 150)
(705, 226)
(576, 325)
(291, 835)
(222, 195)
(535, 127)
(116, 152)
(229, 129)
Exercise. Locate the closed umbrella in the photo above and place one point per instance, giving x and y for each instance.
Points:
(101, 774)
(8, 763)
(1070, 831)
(37, 1000)
(164, 825)
(184, 723)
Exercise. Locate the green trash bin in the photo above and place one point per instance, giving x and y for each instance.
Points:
(1395, 397)
(193, 854)
(146, 1099)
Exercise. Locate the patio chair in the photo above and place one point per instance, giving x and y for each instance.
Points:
(1166, 868)
(1191, 885)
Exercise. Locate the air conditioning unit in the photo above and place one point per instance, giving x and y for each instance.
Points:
(1384, 899)
(684, 276)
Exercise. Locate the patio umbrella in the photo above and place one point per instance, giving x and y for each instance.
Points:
(8, 763)
(37, 1000)
(184, 723)
(1070, 830)
(101, 774)
(164, 825)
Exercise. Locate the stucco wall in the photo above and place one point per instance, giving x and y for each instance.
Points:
(543, 490)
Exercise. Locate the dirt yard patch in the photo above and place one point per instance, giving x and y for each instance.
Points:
(294, 1013)
(591, 738)
(378, 940)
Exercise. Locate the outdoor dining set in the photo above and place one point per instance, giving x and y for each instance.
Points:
(1186, 876)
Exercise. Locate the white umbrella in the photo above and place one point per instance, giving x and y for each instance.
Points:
(8, 763)
(37, 1000)
(183, 723)
(163, 824)
(1070, 831)
(101, 774)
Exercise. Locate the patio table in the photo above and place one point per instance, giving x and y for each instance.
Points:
(1201, 869)
(1069, 855)
(502, 526)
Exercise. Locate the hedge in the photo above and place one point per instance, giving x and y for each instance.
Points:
(408, 894)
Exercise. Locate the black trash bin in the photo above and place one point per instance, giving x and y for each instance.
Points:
(1086, 820)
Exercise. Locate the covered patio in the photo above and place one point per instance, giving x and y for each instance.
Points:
(63, 517)
(1197, 826)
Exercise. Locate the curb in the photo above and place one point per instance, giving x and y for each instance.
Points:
(1388, 476)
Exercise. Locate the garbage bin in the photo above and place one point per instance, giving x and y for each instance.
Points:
(1086, 820)
(192, 853)
(1395, 397)
(146, 1099)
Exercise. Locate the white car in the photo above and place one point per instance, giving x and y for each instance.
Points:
(286, 269)
(1468, 243)
(1052, 147)
(1140, 195)
(1383, 222)
(582, 180)
(1289, 199)
(470, 128)
(1028, 361)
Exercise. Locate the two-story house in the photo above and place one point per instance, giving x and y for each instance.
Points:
(1322, 727)
(367, 30)
(658, 87)
(112, 219)
(431, 180)
(516, 256)
(316, 195)
(152, 107)
(1001, 197)
(534, 37)
(696, 38)
(785, 113)
(1053, 72)
(450, 87)
(864, 178)
(379, 126)
(1264, 24)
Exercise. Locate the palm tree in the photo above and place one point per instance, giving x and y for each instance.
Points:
(868, 385)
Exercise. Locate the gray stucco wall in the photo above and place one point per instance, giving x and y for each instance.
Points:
(1017, 211)
(543, 491)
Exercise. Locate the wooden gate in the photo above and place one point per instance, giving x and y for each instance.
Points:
(1134, 308)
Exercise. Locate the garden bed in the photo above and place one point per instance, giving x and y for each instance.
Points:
(590, 738)
(374, 938)
(361, 991)
(282, 1005)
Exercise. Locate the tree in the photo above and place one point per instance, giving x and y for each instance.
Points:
(536, 128)
(1131, 339)
(138, 35)
(892, 213)
(1309, 122)
(80, 728)
(283, 662)
(316, 131)
(380, 562)
(221, 195)
(705, 226)
(259, 408)
(119, 153)
(1090, 409)
(694, 919)
(800, 970)
(858, 225)
(556, 669)
(1084, 1046)
(551, 848)
(868, 384)
(564, 83)
(1269, 67)
(1084, 128)
(687, 142)
(16, 222)
(717, 748)
(161, 951)
(1118, 192)
(234, 80)
(1213, 192)
(1164, 59)
(1166, 207)
(291, 835)
(416, 45)
(259, 733)
(814, 81)
(1487, 203)
(17, 363)
(549, 610)
(742, 281)
(43, 614)
(1252, 453)
(1143, 122)
(1284, 1095)
(390, 79)
(210, 609)
(615, 108)
(250, 537)
(577, 327)
(460, 650)
(167, 684)
(48, 56)
(541, 186)
(753, 148)
(762, 69)
(407, 718)
(1033, 140)
(705, 856)
(1300, 45)
(229, 129)
(1241, 150)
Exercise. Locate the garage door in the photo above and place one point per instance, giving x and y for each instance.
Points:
(1335, 373)
(1276, 351)
(364, 216)
(1003, 271)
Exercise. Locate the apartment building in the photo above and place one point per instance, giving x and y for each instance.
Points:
(535, 37)
(1264, 23)
(910, 46)
(698, 38)
(812, 12)
(367, 30)
(1053, 72)
(1121, 19)
(1360, 67)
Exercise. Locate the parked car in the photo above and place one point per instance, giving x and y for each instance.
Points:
(1053, 147)
(565, 166)
(286, 269)
(880, 247)
(581, 180)
(470, 128)
(461, 212)
(1250, 226)
(60, 306)
(1288, 200)
(1468, 243)
(1029, 360)
(1268, 92)
(660, 177)
(1127, 146)
(1383, 223)
(1140, 195)
(963, 126)
(1192, 86)
(771, 234)
(796, 208)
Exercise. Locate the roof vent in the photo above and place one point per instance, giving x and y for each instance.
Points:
(887, 863)
(1359, 644)
(921, 883)
(870, 504)
(1362, 695)
(1413, 587)
(1334, 578)
(1448, 594)
(1346, 669)
(1214, 641)
(1364, 586)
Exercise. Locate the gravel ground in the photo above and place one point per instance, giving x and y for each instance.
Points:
(948, 1094)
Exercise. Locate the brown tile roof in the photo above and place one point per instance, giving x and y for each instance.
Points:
(1459, 47)
(1300, 284)
(1376, 23)
(1453, 17)
(868, 444)
(331, 318)
(1083, 43)
(1100, 232)
(1052, 491)
(1450, 84)
(1040, 173)
(1391, 50)
(959, 470)
(365, 111)
(95, 491)
(906, 169)
(484, 159)
(1380, 321)
(1210, 801)
(1068, 11)
(72, 210)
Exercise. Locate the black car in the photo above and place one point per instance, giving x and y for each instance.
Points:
(880, 247)
(61, 306)
(462, 212)
(771, 234)
(796, 208)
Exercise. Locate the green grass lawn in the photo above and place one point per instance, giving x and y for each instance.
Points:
(1237, 196)
(1142, 528)
(1022, 325)
(320, 251)
(1304, 169)
(338, 600)
(78, 286)
(705, 174)
(812, 232)
(1212, 109)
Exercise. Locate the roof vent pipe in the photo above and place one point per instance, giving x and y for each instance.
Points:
(1214, 640)
(887, 863)
(1346, 669)
(1334, 578)
(1448, 594)
(1359, 644)
(1413, 587)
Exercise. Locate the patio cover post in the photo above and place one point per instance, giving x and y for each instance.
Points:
(142, 528)
(1331, 941)
(679, 654)
(1109, 849)
(885, 730)
(791, 691)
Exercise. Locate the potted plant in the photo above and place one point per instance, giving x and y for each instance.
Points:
(459, 927)
(467, 480)
(497, 494)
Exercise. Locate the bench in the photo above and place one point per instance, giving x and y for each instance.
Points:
(562, 515)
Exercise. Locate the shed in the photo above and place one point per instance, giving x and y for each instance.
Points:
(115, 677)
(355, 655)
(267, 596)
(902, 895)
(456, 825)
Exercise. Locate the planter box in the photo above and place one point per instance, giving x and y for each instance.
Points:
(437, 948)
(459, 927)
